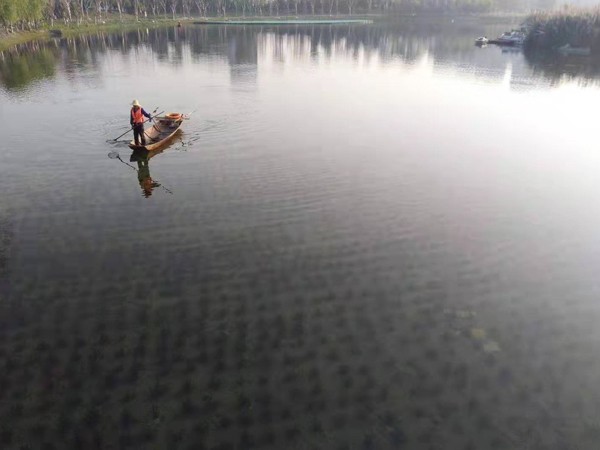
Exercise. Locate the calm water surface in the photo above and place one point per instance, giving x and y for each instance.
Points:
(365, 237)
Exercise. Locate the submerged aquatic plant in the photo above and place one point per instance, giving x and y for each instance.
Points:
(397, 437)
(6, 435)
(186, 388)
(246, 440)
(126, 420)
(187, 407)
(157, 390)
(266, 439)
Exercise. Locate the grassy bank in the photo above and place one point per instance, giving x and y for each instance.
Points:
(10, 40)
(577, 27)
(112, 23)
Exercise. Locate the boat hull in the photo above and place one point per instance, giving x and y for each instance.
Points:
(159, 134)
(506, 43)
(514, 38)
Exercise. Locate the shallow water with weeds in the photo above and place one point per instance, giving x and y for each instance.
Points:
(372, 237)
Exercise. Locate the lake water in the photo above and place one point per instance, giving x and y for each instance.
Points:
(365, 237)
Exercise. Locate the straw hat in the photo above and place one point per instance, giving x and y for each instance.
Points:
(136, 103)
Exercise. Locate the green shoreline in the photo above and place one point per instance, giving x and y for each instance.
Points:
(112, 24)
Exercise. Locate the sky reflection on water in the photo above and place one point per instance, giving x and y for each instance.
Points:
(446, 46)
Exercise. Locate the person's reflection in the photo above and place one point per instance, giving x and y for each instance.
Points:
(142, 157)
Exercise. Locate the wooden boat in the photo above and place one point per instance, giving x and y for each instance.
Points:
(161, 132)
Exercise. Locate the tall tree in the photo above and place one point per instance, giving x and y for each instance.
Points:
(201, 5)
(222, 7)
(50, 12)
(173, 5)
(119, 5)
(185, 7)
(66, 6)
(8, 13)
(98, 10)
(163, 6)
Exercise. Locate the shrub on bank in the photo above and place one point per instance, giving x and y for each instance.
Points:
(576, 27)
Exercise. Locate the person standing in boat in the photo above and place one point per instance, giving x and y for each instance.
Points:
(136, 119)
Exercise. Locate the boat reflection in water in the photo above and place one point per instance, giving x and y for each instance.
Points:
(142, 158)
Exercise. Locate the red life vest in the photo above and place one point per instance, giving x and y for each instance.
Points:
(137, 116)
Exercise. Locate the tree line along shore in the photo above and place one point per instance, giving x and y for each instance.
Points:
(19, 15)
(22, 20)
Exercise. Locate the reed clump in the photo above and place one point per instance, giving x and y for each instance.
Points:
(578, 27)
